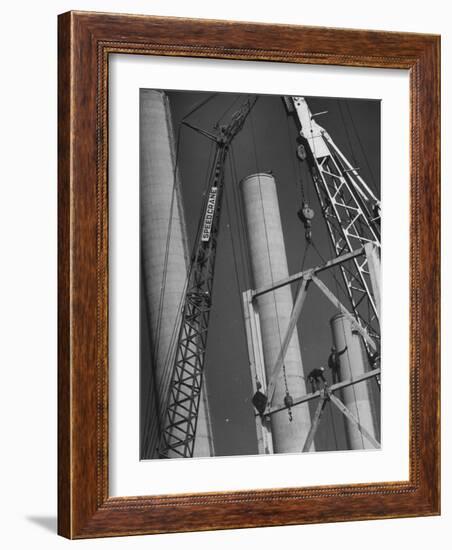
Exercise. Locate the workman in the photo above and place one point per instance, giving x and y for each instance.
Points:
(334, 363)
(259, 399)
(315, 377)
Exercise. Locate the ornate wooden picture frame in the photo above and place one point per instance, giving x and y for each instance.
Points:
(86, 40)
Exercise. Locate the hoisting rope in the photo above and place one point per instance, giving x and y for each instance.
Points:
(172, 349)
(199, 105)
(333, 424)
(231, 190)
(343, 330)
(162, 392)
(157, 330)
(347, 134)
(348, 355)
(363, 152)
(286, 388)
(156, 338)
(170, 222)
(295, 165)
(243, 235)
(228, 108)
(243, 242)
(360, 229)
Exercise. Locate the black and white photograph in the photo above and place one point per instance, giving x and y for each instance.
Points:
(259, 274)
(224, 238)
(221, 221)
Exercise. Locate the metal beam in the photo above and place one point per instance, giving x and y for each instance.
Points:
(333, 388)
(200, 131)
(308, 272)
(263, 428)
(354, 171)
(347, 206)
(315, 422)
(322, 286)
(299, 301)
(373, 264)
(348, 414)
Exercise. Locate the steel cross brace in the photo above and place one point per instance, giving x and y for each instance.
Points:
(307, 277)
(351, 417)
(311, 396)
(325, 395)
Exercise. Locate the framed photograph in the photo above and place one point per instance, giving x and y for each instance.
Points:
(248, 275)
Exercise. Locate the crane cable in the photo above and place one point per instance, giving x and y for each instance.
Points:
(243, 241)
(162, 389)
(172, 348)
(157, 330)
(161, 392)
(243, 235)
(337, 288)
(199, 105)
(170, 356)
(333, 424)
(156, 338)
(269, 259)
(170, 223)
(348, 357)
(295, 166)
(347, 133)
(311, 244)
(228, 108)
(361, 224)
(234, 254)
(366, 160)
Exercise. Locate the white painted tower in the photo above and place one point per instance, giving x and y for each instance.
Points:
(352, 365)
(269, 263)
(164, 255)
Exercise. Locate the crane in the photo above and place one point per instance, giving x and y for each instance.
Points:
(349, 207)
(351, 212)
(180, 414)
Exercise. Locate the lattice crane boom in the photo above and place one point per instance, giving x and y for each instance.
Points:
(181, 411)
(349, 207)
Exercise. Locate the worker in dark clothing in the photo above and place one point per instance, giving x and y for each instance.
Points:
(259, 399)
(315, 377)
(334, 363)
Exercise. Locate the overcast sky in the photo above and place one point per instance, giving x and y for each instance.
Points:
(267, 142)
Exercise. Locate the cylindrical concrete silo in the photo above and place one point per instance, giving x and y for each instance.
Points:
(356, 397)
(269, 264)
(163, 258)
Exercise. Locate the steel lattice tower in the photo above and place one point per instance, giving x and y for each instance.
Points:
(181, 412)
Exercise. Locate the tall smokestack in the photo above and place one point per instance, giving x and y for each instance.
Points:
(164, 260)
(269, 264)
(352, 365)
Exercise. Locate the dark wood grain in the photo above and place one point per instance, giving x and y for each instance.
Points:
(85, 42)
(64, 295)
